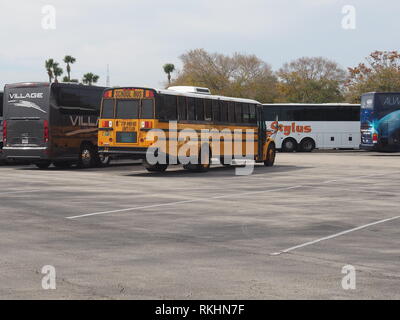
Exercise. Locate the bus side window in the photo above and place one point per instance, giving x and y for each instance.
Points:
(207, 110)
(191, 109)
(246, 113)
(224, 111)
(199, 109)
(182, 112)
(231, 112)
(238, 112)
(253, 117)
(216, 115)
(167, 108)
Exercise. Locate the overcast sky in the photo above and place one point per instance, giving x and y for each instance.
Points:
(137, 37)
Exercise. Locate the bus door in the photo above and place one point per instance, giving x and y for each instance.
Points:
(262, 132)
(127, 121)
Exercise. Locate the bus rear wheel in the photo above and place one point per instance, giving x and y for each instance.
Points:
(307, 145)
(271, 155)
(289, 145)
(155, 167)
(203, 164)
(86, 157)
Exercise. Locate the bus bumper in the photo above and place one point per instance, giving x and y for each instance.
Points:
(124, 153)
(29, 154)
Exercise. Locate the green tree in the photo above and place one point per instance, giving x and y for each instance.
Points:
(168, 69)
(380, 72)
(57, 71)
(69, 60)
(311, 80)
(49, 68)
(90, 78)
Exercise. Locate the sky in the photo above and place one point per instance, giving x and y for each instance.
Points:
(137, 37)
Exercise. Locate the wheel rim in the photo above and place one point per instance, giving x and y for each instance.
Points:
(289, 145)
(86, 156)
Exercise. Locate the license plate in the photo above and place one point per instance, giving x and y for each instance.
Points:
(25, 140)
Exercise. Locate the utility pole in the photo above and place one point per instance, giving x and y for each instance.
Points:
(108, 76)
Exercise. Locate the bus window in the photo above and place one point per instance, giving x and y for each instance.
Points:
(231, 112)
(182, 114)
(200, 109)
(190, 108)
(127, 109)
(108, 109)
(167, 109)
(207, 110)
(215, 111)
(246, 113)
(147, 111)
(224, 111)
(238, 112)
(253, 117)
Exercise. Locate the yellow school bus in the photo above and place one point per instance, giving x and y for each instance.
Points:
(182, 125)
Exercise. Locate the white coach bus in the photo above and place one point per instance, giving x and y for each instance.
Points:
(305, 127)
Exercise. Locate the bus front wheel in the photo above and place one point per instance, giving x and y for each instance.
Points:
(289, 145)
(271, 155)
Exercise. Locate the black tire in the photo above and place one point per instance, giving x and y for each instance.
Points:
(43, 165)
(103, 160)
(307, 145)
(87, 157)
(62, 164)
(155, 167)
(289, 145)
(271, 155)
(201, 166)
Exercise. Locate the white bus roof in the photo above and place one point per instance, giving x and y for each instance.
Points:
(193, 95)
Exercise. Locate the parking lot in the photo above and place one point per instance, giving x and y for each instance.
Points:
(283, 232)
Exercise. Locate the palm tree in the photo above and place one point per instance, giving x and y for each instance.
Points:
(89, 78)
(57, 71)
(49, 68)
(168, 69)
(69, 60)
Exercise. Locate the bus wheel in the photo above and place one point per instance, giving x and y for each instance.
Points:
(289, 145)
(307, 145)
(43, 165)
(86, 156)
(103, 160)
(62, 164)
(155, 167)
(203, 165)
(271, 155)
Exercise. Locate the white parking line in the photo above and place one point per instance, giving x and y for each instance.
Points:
(182, 202)
(334, 236)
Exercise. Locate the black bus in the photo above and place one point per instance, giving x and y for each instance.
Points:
(52, 123)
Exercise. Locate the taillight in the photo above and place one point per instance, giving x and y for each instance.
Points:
(4, 132)
(46, 131)
(146, 125)
(375, 138)
(107, 124)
